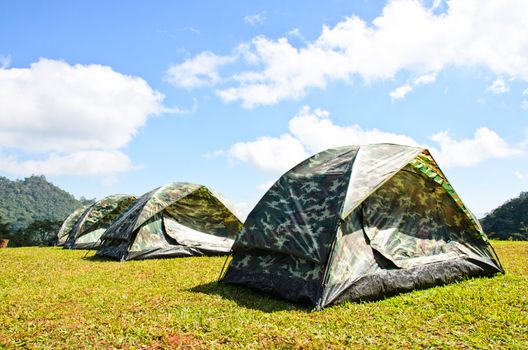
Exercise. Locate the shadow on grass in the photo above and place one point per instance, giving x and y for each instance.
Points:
(249, 298)
(90, 256)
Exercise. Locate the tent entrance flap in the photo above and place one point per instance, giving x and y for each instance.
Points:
(411, 222)
(186, 236)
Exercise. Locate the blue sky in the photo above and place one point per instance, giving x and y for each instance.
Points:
(121, 97)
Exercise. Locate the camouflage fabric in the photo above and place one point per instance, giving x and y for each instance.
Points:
(150, 235)
(202, 211)
(374, 165)
(96, 219)
(297, 216)
(154, 225)
(163, 197)
(352, 257)
(284, 275)
(128, 221)
(68, 224)
(425, 164)
(278, 265)
(287, 237)
(412, 220)
(359, 222)
(89, 240)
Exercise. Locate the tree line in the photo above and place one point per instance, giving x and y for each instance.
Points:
(508, 221)
(33, 209)
(38, 233)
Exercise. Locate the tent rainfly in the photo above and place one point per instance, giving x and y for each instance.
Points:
(178, 219)
(359, 223)
(68, 224)
(87, 230)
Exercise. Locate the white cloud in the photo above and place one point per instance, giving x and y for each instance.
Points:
(406, 36)
(309, 132)
(312, 131)
(5, 61)
(106, 164)
(271, 154)
(485, 144)
(201, 70)
(242, 209)
(255, 19)
(295, 33)
(400, 92)
(192, 30)
(524, 103)
(425, 79)
(316, 131)
(214, 154)
(520, 176)
(53, 106)
(498, 87)
(178, 110)
(82, 114)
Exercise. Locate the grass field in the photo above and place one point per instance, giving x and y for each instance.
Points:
(52, 298)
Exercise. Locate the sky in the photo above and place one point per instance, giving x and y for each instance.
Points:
(107, 97)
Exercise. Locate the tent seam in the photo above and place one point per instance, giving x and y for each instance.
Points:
(381, 184)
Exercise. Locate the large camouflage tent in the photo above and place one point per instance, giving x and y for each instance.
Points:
(359, 223)
(178, 219)
(68, 224)
(89, 227)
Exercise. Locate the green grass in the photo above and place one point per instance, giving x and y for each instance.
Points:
(53, 298)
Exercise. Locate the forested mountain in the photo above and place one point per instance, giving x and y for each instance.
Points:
(23, 202)
(508, 221)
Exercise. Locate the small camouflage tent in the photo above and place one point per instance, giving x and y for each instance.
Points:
(68, 224)
(359, 223)
(178, 219)
(87, 230)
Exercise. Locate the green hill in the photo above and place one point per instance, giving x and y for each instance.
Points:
(508, 221)
(22, 202)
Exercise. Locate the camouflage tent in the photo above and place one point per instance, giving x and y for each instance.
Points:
(359, 223)
(68, 224)
(89, 227)
(178, 219)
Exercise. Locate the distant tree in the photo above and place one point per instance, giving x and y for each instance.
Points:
(34, 209)
(38, 233)
(508, 220)
(33, 199)
(5, 229)
(85, 201)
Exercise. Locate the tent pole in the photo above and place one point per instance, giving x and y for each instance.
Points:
(223, 268)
